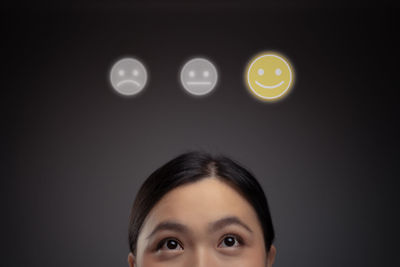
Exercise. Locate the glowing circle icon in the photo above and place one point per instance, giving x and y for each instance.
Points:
(199, 76)
(128, 76)
(269, 76)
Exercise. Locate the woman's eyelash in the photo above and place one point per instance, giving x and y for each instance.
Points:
(163, 242)
(237, 237)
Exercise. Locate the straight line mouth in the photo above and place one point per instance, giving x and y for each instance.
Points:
(198, 83)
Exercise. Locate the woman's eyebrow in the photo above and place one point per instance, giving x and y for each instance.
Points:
(223, 222)
(212, 227)
(169, 225)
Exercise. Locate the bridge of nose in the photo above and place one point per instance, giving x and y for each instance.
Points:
(204, 255)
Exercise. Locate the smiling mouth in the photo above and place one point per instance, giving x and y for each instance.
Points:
(269, 87)
(128, 81)
(198, 83)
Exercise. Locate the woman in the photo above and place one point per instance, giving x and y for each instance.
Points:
(201, 211)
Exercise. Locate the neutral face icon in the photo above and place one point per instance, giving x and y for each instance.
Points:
(128, 76)
(199, 76)
(269, 77)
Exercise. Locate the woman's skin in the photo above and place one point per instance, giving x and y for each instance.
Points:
(194, 240)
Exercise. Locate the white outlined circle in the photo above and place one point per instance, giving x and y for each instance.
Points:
(193, 79)
(128, 76)
(283, 91)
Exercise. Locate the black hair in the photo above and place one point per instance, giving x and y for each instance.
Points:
(191, 167)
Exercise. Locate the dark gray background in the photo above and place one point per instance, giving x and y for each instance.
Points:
(74, 153)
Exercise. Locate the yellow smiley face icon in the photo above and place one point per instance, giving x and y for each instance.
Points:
(269, 76)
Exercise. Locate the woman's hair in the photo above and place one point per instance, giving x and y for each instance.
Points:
(191, 167)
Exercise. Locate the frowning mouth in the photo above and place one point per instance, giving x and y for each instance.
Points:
(128, 81)
(269, 87)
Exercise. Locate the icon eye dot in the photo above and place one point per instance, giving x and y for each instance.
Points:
(206, 73)
(278, 71)
(191, 73)
(121, 72)
(260, 71)
(135, 72)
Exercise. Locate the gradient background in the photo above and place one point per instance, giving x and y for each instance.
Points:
(74, 153)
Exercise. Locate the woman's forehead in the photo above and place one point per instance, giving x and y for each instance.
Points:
(200, 203)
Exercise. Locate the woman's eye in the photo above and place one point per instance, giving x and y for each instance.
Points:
(169, 244)
(231, 241)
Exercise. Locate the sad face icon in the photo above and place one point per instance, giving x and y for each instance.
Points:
(128, 76)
